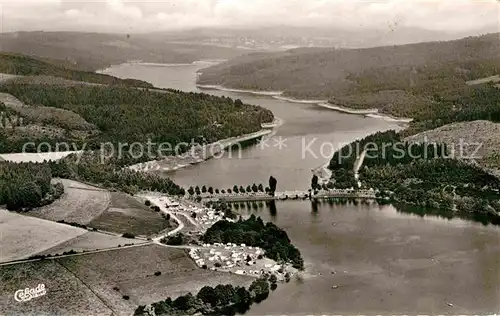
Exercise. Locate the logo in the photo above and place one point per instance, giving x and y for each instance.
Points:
(28, 294)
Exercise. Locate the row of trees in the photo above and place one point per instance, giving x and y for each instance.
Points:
(254, 232)
(219, 300)
(253, 188)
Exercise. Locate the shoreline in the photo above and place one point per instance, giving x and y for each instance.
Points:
(197, 155)
(372, 113)
(221, 88)
(144, 63)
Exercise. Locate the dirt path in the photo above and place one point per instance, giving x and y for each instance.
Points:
(357, 165)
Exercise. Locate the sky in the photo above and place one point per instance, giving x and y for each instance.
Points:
(163, 15)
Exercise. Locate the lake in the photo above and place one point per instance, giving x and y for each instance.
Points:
(383, 260)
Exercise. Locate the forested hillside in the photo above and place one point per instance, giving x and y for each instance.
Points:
(326, 73)
(129, 115)
(423, 174)
(27, 66)
(93, 51)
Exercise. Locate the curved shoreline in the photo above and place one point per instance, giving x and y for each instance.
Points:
(372, 113)
(221, 88)
(198, 155)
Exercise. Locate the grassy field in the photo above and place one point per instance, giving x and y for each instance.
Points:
(130, 271)
(66, 294)
(79, 204)
(127, 214)
(88, 242)
(23, 236)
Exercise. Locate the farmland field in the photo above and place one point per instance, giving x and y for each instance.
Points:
(66, 294)
(88, 242)
(130, 271)
(127, 214)
(23, 236)
(80, 204)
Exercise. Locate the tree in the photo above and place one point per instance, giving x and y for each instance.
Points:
(272, 185)
(223, 191)
(210, 190)
(204, 189)
(229, 191)
(191, 191)
(261, 188)
(249, 189)
(198, 192)
(255, 189)
(273, 278)
(208, 295)
(217, 191)
(314, 182)
(242, 189)
(238, 102)
(235, 189)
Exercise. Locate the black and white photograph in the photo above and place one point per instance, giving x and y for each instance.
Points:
(249, 157)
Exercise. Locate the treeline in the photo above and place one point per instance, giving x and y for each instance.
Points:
(88, 167)
(27, 66)
(220, 300)
(236, 189)
(253, 232)
(27, 185)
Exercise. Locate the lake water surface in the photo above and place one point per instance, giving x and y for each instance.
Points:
(383, 261)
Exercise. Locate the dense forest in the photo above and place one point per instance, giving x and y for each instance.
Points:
(103, 114)
(220, 300)
(326, 73)
(253, 232)
(27, 66)
(417, 173)
(27, 185)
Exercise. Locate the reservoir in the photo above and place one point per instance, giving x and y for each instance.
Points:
(360, 258)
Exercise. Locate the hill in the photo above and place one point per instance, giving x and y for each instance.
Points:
(331, 73)
(478, 140)
(93, 114)
(93, 51)
(16, 64)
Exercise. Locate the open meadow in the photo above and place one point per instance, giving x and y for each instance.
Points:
(131, 271)
(128, 214)
(65, 293)
(23, 236)
(90, 241)
(80, 204)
